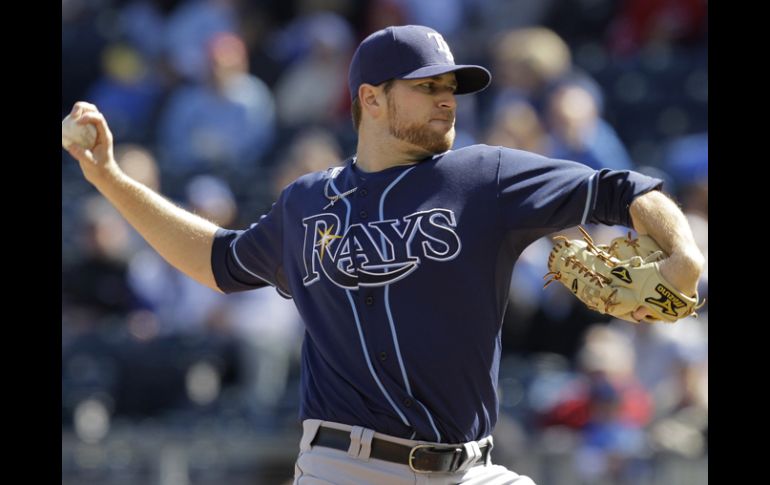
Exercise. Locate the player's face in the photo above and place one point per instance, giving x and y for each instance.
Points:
(422, 112)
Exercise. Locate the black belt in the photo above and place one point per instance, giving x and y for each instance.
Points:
(420, 458)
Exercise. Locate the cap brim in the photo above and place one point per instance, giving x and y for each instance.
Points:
(470, 79)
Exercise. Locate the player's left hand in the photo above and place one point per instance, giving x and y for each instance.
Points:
(670, 271)
(631, 279)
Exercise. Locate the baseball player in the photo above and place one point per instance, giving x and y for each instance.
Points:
(400, 262)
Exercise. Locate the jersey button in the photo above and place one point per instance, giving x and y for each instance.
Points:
(363, 192)
(369, 300)
(383, 356)
(407, 402)
(362, 214)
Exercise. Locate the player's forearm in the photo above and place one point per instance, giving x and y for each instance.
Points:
(180, 237)
(658, 216)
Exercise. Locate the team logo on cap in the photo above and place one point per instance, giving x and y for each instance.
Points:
(442, 46)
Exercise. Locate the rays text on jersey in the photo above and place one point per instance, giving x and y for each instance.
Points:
(376, 253)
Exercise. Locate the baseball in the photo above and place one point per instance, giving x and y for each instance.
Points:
(71, 132)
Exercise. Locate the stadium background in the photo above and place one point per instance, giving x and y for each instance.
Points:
(220, 103)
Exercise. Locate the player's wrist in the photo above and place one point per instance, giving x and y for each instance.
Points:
(107, 173)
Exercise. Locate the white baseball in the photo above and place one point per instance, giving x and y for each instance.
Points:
(71, 132)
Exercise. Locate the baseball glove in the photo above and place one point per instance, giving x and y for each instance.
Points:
(618, 278)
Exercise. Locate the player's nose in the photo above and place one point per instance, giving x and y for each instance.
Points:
(446, 99)
(448, 103)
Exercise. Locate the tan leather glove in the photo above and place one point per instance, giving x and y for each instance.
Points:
(618, 278)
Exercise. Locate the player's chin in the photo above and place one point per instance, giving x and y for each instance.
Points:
(448, 139)
(428, 139)
(438, 143)
(442, 128)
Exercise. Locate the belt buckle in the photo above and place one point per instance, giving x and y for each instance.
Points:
(411, 458)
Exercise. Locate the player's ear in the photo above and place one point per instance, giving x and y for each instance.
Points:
(370, 99)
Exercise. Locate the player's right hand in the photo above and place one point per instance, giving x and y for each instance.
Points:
(99, 160)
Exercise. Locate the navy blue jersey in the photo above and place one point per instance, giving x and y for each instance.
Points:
(402, 277)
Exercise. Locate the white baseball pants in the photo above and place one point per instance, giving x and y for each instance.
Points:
(327, 466)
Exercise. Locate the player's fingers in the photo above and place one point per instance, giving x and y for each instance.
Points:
(80, 107)
(95, 118)
(80, 154)
(640, 313)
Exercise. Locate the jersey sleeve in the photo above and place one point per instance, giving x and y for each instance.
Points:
(536, 192)
(252, 258)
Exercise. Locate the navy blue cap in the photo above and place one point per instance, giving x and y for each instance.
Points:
(410, 52)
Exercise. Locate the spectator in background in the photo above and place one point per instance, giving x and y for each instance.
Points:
(310, 150)
(516, 124)
(142, 24)
(265, 328)
(313, 89)
(176, 303)
(607, 358)
(138, 163)
(527, 61)
(188, 33)
(667, 358)
(573, 107)
(96, 291)
(537, 79)
(606, 405)
(129, 91)
(224, 125)
(181, 304)
(672, 364)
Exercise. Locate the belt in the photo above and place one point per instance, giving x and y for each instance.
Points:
(420, 458)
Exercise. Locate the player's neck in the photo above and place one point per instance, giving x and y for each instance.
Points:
(375, 154)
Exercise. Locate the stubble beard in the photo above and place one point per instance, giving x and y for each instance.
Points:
(420, 135)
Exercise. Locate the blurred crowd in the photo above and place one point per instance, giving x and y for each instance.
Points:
(219, 104)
